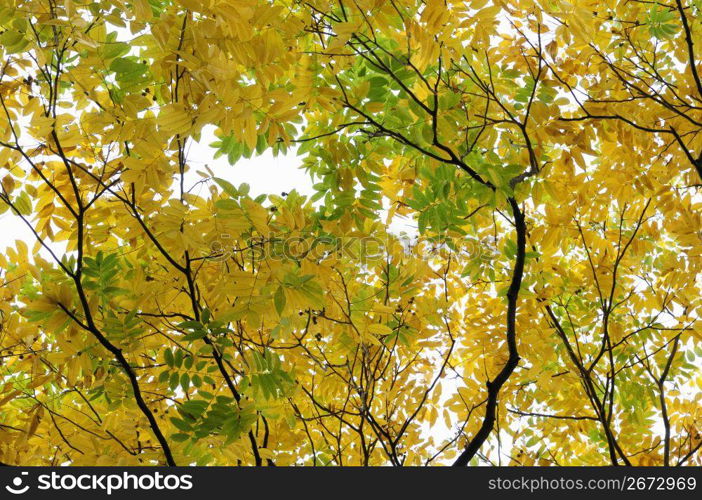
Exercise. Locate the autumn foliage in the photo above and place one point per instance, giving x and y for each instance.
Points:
(543, 310)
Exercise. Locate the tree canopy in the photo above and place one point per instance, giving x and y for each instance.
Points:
(543, 310)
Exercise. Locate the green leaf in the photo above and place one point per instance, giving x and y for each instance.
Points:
(23, 204)
(168, 356)
(178, 358)
(227, 187)
(188, 362)
(227, 204)
(13, 41)
(112, 50)
(174, 381)
(181, 424)
(196, 335)
(279, 300)
(128, 69)
(185, 381)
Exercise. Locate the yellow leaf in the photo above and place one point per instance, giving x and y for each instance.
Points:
(172, 119)
(379, 329)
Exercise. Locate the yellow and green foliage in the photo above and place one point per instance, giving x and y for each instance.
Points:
(544, 310)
